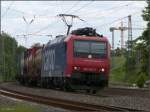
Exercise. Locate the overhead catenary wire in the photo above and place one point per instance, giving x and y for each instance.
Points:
(61, 5)
(112, 8)
(78, 10)
(44, 28)
(23, 12)
(118, 10)
(109, 23)
(23, 35)
(103, 17)
(119, 19)
(46, 10)
(70, 11)
(74, 5)
(34, 14)
(124, 5)
(7, 9)
(19, 11)
(29, 14)
(84, 6)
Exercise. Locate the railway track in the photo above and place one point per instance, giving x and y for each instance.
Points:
(66, 104)
(106, 92)
(117, 91)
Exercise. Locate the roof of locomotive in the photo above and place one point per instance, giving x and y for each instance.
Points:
(86, 33)
(77, 37)
(81, 33)
(58, 39)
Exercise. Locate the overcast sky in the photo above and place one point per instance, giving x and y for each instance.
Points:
(97, 14)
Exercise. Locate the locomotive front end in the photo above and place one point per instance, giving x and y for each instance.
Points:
(88, 61)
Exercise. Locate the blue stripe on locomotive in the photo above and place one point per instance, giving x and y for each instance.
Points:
(54, 60)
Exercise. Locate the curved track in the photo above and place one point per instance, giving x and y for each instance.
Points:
(61, 103)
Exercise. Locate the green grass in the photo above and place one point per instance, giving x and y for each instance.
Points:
(117, 73)
(1, 78)
(19, 108)
(117, 61)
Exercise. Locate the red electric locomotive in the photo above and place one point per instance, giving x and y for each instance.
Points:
(80, 60)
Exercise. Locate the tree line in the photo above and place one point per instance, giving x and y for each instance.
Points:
(141, 50)
(10, 53)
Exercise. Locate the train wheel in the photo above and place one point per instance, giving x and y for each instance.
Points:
(34, 83)
(68, 88)
(94, 91)
(42, 83)
(67, 85)
(105, 83)
(88, 91)
(47, 83)
(50, 84)
(21, 81)
(26, 82)
(64, 88)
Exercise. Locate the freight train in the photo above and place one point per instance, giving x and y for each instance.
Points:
(80, 60)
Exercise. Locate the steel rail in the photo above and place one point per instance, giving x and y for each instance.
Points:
(66, 104)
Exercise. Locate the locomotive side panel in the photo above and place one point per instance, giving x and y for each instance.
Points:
(60, 63)
(54, 60)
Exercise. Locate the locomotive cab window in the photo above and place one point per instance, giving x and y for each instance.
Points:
(83, 48)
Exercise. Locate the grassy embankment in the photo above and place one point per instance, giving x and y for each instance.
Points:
(18, 108)
(117, 73)
(0, 78)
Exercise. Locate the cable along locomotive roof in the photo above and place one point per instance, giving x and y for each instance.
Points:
(87, 31)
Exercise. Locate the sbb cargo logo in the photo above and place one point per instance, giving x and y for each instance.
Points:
(49, 60)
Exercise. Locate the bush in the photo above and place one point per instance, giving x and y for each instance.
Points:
(141, 79)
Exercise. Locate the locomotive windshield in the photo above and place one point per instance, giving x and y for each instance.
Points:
(84, 48)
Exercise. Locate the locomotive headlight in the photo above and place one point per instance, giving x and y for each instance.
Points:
(75, 68)
(102, 69)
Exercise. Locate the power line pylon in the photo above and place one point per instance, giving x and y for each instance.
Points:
(122, 35)
(129, 35)
(63, 17)
(28, 23)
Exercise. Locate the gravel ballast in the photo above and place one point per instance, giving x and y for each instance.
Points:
(9, 104)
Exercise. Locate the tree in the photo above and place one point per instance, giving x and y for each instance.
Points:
(146, 38)
(7, 51)
(138, 63)
(8, 56)
(20, 54)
